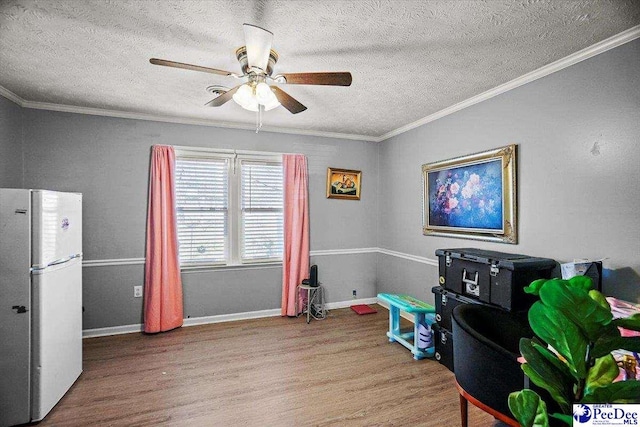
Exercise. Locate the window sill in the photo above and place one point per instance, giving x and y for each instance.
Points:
(230, 267)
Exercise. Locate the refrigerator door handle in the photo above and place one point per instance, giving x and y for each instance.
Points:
(19, 309)
(61, 261)
(57, 262)
(67, 259)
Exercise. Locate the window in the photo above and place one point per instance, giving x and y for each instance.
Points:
(261, 210)
(202, 204)
(229, 208)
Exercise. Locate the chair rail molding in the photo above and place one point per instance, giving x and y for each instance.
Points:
(410, 257)
(111, 262)
(88, 263)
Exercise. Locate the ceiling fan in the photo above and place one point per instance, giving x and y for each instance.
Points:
(256, 61)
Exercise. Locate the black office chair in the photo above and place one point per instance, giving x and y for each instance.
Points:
(485, 349)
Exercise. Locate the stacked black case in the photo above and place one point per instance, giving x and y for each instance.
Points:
(495, 278)
(474, 276)
(446, 301)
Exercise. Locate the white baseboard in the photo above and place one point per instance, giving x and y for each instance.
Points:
(112, 330)
(193, 321)
(349, 303)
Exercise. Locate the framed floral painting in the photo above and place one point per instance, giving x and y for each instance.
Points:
(343, 184)
(472, 197)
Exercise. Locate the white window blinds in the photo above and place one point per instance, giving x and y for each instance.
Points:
(202, 202)
(261, 210)
(229, 207)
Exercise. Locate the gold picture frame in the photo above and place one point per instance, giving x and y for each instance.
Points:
(343, 184)
(472, 197)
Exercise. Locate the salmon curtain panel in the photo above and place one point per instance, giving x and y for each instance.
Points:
(295, 259)
(162, 283)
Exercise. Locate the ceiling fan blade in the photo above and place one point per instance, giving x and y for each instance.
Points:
(156, 61)
(331, 79)
(287, 101)
(258, 41)
(223, 98)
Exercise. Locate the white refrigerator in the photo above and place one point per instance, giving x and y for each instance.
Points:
(40, 301)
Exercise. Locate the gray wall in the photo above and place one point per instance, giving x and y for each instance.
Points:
(578, 135)
(578, 182)
(107, 159)
(10, 144)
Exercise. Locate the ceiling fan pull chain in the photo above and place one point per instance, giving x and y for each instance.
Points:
(259, 118)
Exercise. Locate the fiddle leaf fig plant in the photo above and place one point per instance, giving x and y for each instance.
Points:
(570, 357)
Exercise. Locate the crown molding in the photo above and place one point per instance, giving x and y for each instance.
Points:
(596, 49)
(184, 120)
(11, 96)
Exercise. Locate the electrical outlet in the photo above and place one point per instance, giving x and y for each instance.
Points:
(355, 293)
(137, 291)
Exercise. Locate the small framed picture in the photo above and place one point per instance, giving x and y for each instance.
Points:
(343, 184)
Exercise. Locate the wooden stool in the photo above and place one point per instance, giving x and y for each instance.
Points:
(423, 313)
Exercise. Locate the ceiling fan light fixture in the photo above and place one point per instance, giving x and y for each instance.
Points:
(271, 105)
(245, 98)
(266, 97)
(250, 97)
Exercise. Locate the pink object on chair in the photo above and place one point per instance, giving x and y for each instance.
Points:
(162, 283)
(295, 259)
(621, 308)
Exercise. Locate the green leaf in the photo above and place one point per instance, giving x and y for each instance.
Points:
(563, 335)
(568, 419)
(553, 358)
(555, 391)
(576, 304)
(631, 322)
(608, 343)
(603, 372)
(620, 392)
(600, 299)
(534, 287)
(582, 282)
(528, 408)
(546, 371)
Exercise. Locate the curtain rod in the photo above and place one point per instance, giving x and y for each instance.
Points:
(228, 151)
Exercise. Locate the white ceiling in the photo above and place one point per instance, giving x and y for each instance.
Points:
(409, 59)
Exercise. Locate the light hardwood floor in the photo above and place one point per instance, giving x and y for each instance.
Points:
(341, 371)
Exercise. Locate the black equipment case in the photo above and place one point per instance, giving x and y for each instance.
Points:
(492, 277)
(443, 342)
(446, 301)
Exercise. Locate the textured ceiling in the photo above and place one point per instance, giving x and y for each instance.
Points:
(409, 59)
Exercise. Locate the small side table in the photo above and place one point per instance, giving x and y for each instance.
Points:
(312, 298)
(423, 313)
